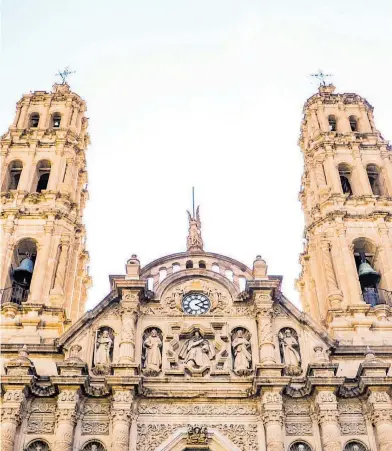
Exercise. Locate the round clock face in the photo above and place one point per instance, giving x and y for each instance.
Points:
(195, 304)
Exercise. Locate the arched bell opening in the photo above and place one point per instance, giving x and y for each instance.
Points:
(21, 272)
(13, 175)
(369, 273)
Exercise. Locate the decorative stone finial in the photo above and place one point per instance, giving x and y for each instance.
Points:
(326, 89)
(260, 268)
(194, 240)
(21, 365)
(133, 267)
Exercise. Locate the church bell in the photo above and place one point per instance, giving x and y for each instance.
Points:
(367, 275)
(23, 273)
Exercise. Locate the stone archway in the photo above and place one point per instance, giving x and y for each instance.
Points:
(179, 441)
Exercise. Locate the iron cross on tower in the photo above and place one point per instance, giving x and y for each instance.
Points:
(321, 77)
(64, 74)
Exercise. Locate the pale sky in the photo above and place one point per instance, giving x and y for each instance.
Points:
(206, 93)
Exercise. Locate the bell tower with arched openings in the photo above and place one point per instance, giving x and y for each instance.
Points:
(44, 273)
(346, 196)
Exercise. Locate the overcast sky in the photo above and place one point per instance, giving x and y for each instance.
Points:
(206, 93)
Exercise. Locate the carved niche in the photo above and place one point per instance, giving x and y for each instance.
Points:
(103, 351)
(38, 445)
(300, 446)
(94, 445)
(290, 353)
(241, 351)
(152, 351)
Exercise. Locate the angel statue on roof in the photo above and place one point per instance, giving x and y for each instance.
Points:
(194, 241)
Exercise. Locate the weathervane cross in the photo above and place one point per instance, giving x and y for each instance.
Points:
(321, 77)
(64, 74)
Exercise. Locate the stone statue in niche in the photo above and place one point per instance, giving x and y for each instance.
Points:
(290, 352)
(197, 351)
(103, 351)
(242, 352)
(152, 352)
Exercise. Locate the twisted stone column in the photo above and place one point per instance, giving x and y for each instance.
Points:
(121, 419)
(11, 417)
(380, 407)
(328, 418)
(273, 420)
(66, 420)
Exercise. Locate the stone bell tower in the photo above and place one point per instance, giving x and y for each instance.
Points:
(44, 274)
(346, 196)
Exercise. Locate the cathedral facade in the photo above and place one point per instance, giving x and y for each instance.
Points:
(196, 351)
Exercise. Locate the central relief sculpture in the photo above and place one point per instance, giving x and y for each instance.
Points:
(197, 352)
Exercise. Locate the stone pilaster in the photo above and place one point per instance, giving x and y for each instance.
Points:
(129, 317)
(272, 407)
(66, 419)
(121, 411)
(328, 418)
(380, 410)
(11, 417)
(334, 297)
(264, 315)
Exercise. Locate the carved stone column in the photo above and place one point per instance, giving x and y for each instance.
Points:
(121, 419)
(264, 316)
(40, 267)
(380, 409)
(66, 420)
(273, 420)
(129, 317)
(328, 418)
(351, 274)
(11, 417)
(360, 171)
(57, 293)
(334, 298)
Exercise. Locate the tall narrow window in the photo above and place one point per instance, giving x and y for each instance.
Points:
(150, 283)
(56, 120)
(34, 120)
(242, 283)
(332, 123)
(162, 274)
(215, 267)
(176, 267)
(374, 179)
(43, 174)
(353, 123)
(229, 274)
(345, 177)
(14, 173)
